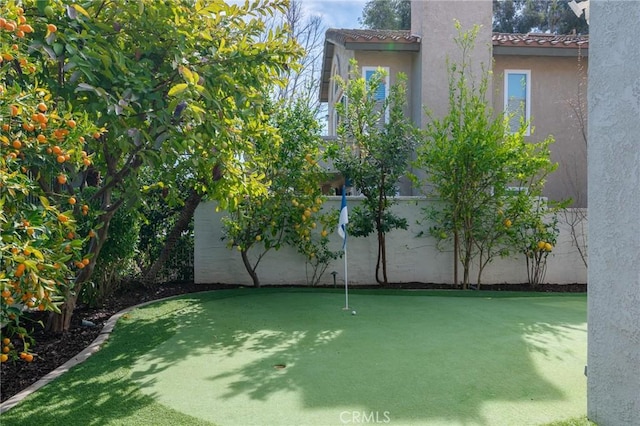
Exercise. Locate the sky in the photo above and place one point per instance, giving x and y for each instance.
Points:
(336, 13)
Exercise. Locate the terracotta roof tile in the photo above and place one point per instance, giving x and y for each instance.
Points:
(371, 36)
(541, 40)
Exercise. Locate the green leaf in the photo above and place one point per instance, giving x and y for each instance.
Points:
(45, 202)
(81, 10)
(177, 89)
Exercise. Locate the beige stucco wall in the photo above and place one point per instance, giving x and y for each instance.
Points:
(433, 20)
(411, 257)
(557, 87)
(613, 383)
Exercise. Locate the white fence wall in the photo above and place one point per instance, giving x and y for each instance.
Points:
(410, 258)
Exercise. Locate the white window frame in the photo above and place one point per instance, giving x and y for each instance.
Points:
(527, 106)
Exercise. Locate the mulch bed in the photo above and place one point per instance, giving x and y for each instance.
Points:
(53, 350)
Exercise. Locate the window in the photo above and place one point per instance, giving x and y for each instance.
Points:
(337, 118)
(383, 89)
(517, 97)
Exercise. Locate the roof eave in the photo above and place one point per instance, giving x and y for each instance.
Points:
(540, 51)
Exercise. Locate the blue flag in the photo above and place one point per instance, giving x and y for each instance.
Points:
(344, 219)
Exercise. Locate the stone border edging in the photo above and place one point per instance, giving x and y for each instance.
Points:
(79, 358)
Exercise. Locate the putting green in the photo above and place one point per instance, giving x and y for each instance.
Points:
(292, 357)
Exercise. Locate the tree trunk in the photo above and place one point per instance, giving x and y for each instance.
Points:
(382, 253)
(382, 260)
(250, 269)
(186, 214)
(456, 245)
(59, 323)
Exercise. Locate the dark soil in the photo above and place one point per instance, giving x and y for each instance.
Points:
(53, 350)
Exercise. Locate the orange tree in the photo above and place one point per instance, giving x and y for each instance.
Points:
(42, 147)
(472, 162)
(373, 148)
(176, 83)
(288, 213)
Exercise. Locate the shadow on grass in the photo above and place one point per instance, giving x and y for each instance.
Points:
(417, 360)
(294, 357)
(100, 391)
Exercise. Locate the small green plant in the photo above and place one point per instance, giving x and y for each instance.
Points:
(535, 235)
(316, 248)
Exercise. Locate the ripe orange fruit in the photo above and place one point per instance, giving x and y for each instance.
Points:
(26, 28)
(80, 265)
(4, 358)
(17, 144)
(6, 349)
(72, 200)
(62, 218)
(56, 150)
(70, 235)
(92, 234)
(41, 307)
(30, 231)
(40, 117)
(71, 123)
(85, 261)
(5, 293)
(10, 26)
(42, 107)
(6, 127)
(41, 138)
(52, 28)
(61, 159)
(20, 270)
(23, 355)
(62, 179)
(14, 110)
(28, 358)
(96, 135)
(6, 341)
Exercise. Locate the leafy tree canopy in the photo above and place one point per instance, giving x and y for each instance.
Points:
(524, 16)
(386, 15)
(509, 16)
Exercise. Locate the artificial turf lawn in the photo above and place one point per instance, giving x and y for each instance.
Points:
(405, 358)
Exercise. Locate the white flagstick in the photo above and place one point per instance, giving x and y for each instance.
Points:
(342, 231)
(346, 287)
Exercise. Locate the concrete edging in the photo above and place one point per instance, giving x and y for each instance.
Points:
(81, 357)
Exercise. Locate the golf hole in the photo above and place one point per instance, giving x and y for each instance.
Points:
(279, 366)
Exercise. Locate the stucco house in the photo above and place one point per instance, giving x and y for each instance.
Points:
(544, 72)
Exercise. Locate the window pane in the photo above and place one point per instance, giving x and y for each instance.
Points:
(516, 99)
(380, 93)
